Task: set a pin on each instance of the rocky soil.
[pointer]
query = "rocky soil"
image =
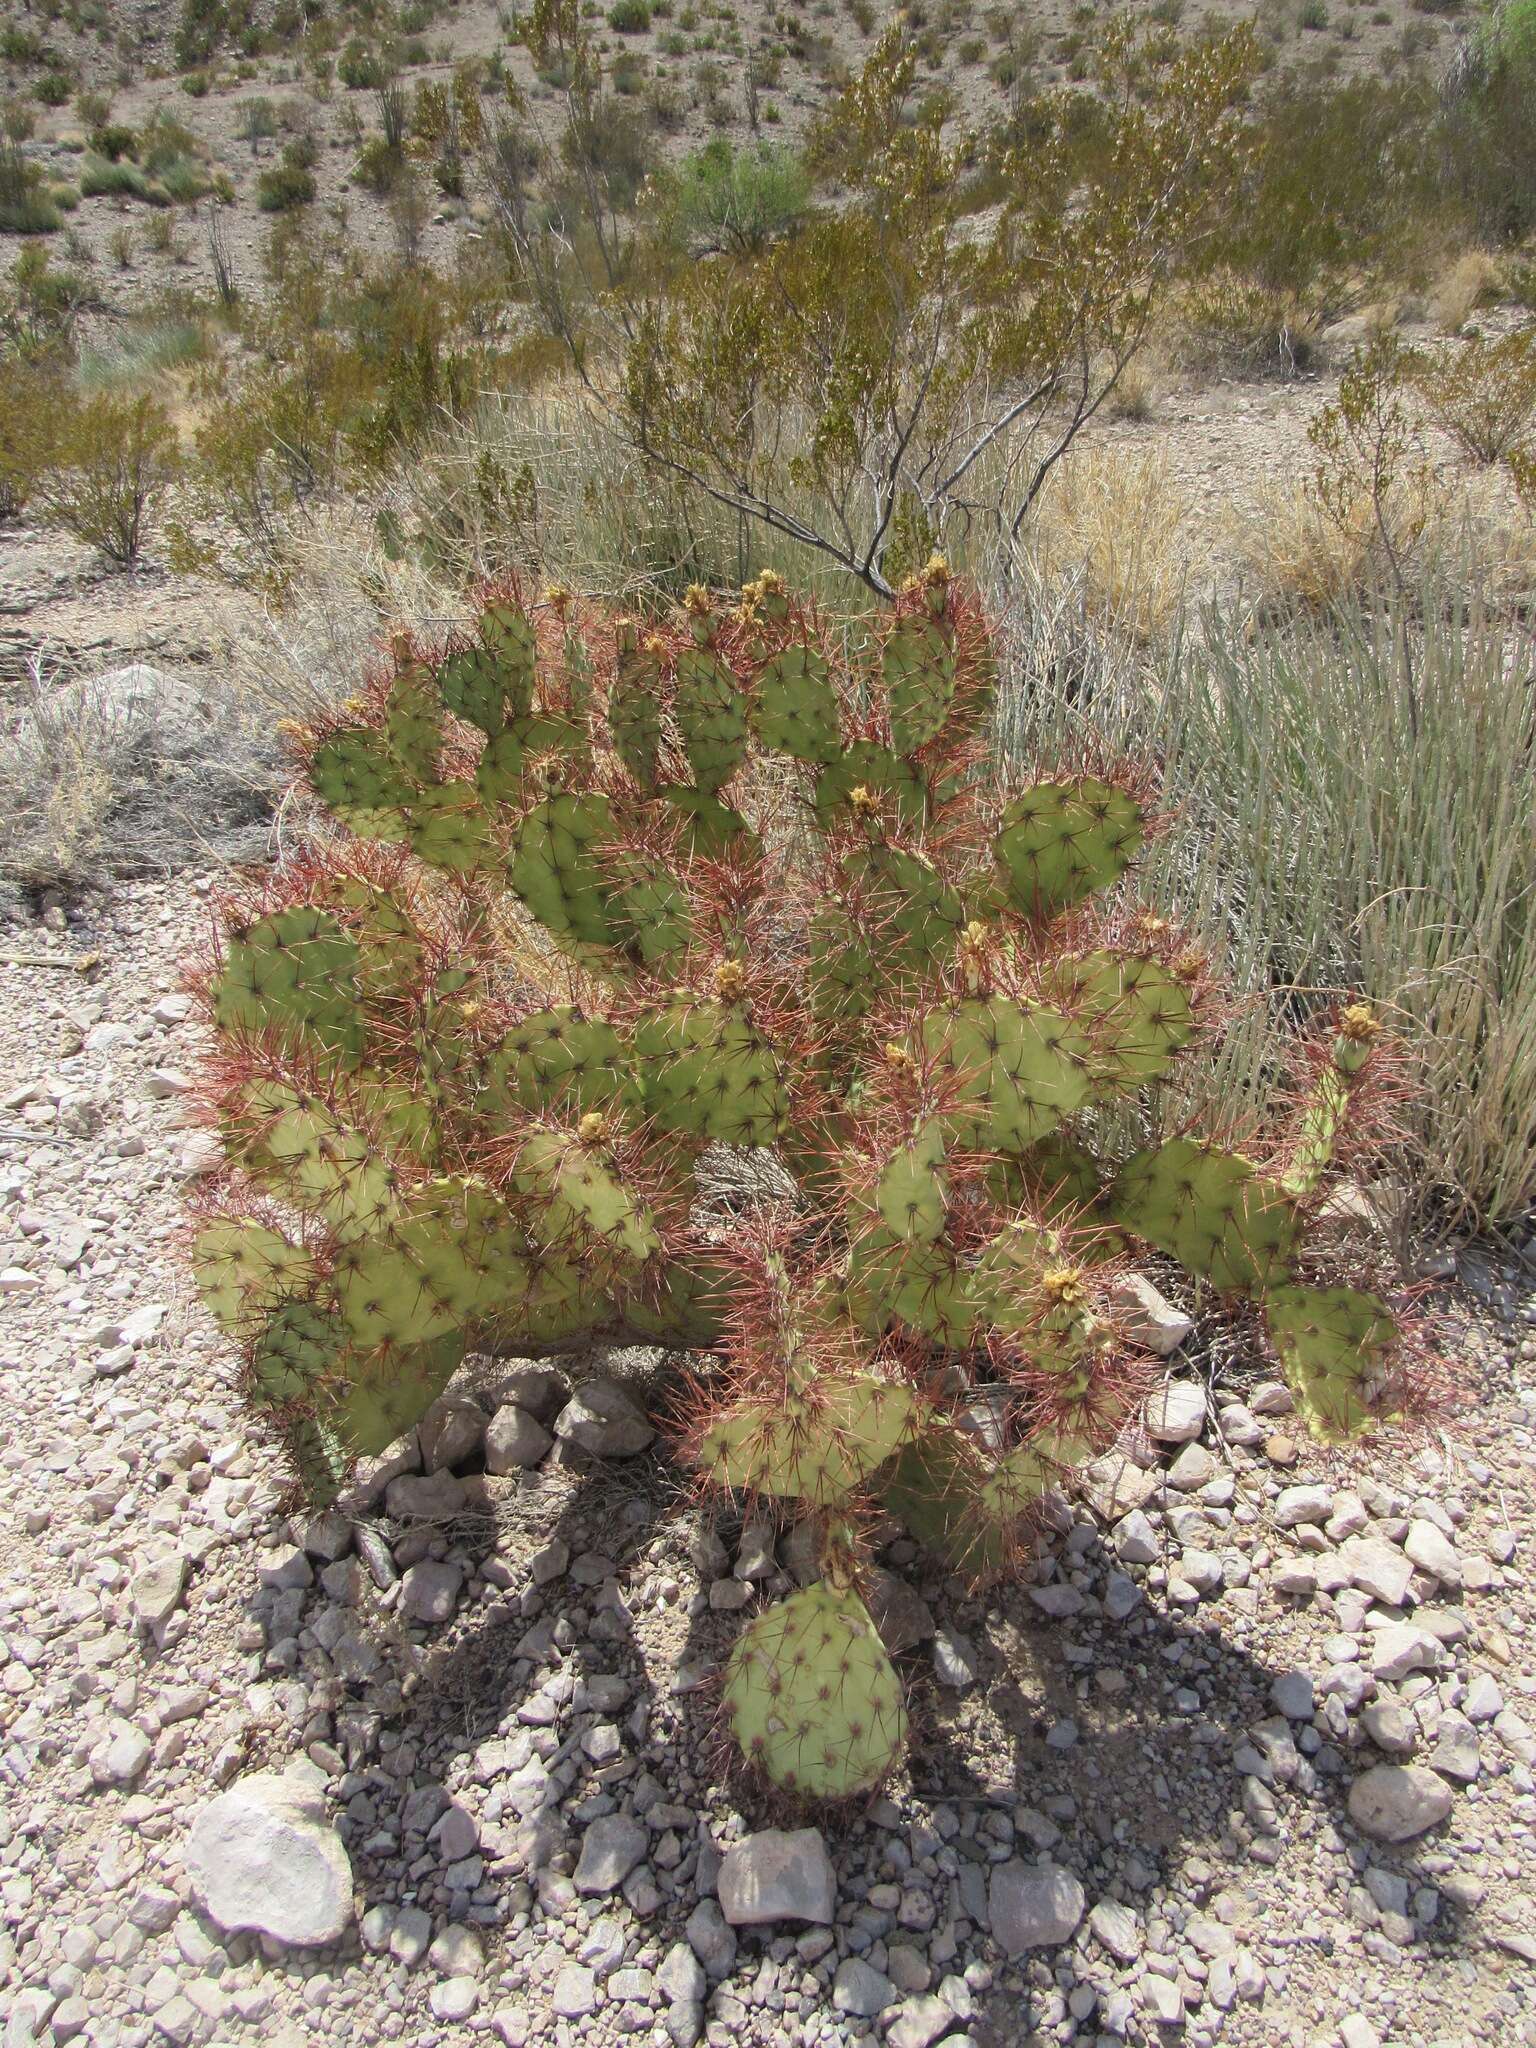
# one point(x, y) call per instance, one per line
point(1246, 1758)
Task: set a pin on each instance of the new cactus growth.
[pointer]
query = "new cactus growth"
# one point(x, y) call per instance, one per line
point(612, 899)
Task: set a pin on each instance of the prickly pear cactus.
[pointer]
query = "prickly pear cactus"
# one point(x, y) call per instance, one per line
point(602, 903)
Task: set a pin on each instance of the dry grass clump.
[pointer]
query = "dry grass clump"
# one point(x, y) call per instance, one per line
point(1233, 326)
point(1296, 550)
point(1115, 520)
point(1468, 281)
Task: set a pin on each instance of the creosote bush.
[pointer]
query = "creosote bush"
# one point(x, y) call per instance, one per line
point(111, 463)
point(699, 984)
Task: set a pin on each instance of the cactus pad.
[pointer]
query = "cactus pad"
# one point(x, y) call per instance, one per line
point(918, 664)
point(1332, 1343)
point(1060, 841)
point(709, 710)
point(555, 867)
point(794, 710)
point(818, 1444)
point(812, 1698)
point(708, 1072)
point(1211, 1210)
point(293, 973)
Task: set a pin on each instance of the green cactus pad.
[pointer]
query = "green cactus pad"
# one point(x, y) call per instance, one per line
point(572, 1191)
point(708, 1072)
point(448, 828)
point(937, 1489)
point(844, 974)
point(818, 1444)
point(912, 1193)
point(897, 786)
point(413, 724)
point(451, 1256)
point(1019, 1069)
point(686, 1305)
point(813, 1700)
point(1211, 1210)
point(711, 715)
point(652, 915)
point(1332, 1343)
point(244, 1269)
point(503, 772)
point(294, 973)
point(710, 828)
point(918, 664)
point(354, 771)
point(1138, 1015)
point(793, 708)
point(557, 1056)
point(377, 1396)
point(472, 685)
point(507, 632)
point(556, 867)
point(911, 915)
point(634, 715)
point(922, 1286)
point(315, 1158)
point(300, 1344)
point(1060, 841)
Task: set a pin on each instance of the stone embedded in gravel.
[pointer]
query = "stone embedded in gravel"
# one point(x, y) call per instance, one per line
point(1484, 1700)
point(429, 1592)
point(1432, 1551)
point(777, 1874)
point(1033, 1908)
point(1176, 1412)
point(1391, 1727)
point(1145, 1316)
point(454, 1999)
point(711, 1940)
point(860, 1990)
point(1297, 1504)
point(1401, 1648)
point(1376, 1567)
point(899, 1612)
point(1135, 1539)
point(157, 1589)
point(604, 1419)
point(1163, 1999)
point(1061, 1602)
point(263, 1856)
point(411, 1935)
point(954, 1659)
point(1292, 1694)
point(1294, 1576)
point(458, 1952)
point(1395, 1802)
point(681, 1976)
point(1455, 1754)
point(433, 1497)
point(610, 1849)
point(514, 1440)
point(1193, 1468)
point(575, 1992)
point(1115, 1484)
point(1122, 1596)
point(1117, 1929)
point(450, 1432)
point(920, 2022)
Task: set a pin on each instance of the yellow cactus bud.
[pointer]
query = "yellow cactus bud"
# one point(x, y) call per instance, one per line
point(897, 1058)
point(1062, 1285)
point(1189, 967)
point(770, 582)
point(593, 1128)
point(696, 600)
point(295, 729)
point(557, 595)
point(654, 645)
point(1359, 1023)
point(936, 571)
point(730, 981)
point(863, 801)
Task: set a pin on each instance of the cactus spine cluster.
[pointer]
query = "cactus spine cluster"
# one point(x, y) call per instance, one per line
point(602, 902)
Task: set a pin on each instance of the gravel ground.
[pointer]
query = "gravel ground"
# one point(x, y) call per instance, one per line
point(1247, 1759)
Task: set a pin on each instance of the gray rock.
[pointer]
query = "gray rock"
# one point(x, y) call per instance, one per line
point(434, 1497)
point(777, 1874)
point(514, 1440)
point(429, 1592)
point(538, 1388)
point(1455, 1754)
point(454, 1999)
point(1433, 1552)
point(450, 1432)
point(920, 2022)
point(263, 1856)
point(1117, 1929)
point(1376, 1567)
point(458, 1952)
point(1037, 1908)
point(861, 1990)
point(954, 1659)
point(1146, 1316)
point(610, 1849)
point(1399, 1649)
point(1193, 1468)
point(1298, 1504)
point(156, 1590)
point(1396, 1802)
point(1122, 1596)
point(1176, 1412)
point(1115, 1484)
point(575, 1992)
point(1136, 1540)
point(1292, 1694)
point(681, 1975)
point(711, 1940)
point(603, 1419)
point(899, 1611)
point(1391, 1727)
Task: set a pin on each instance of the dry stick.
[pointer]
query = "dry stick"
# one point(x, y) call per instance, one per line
point(86, 963)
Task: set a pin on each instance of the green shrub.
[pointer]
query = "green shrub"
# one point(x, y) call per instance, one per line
point(742, 199)
point(114, 459)
point(630, 17)
point(53, 89)
point(26, 206)
point(1482, 392)
point(927, 1004)
point(114, 141)
point(33, 399)
point(101, 177)
point(285, 186)
point(360, 68)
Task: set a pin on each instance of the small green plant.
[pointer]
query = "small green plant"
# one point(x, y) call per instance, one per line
point(53, 89)
point(740, 199)
point(1481, 391)
point(289, 182)
point(113, 461)
point(630, 17)
point(26, 205)
point(928, 1004)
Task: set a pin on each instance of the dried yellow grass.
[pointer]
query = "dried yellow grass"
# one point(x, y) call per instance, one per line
point(1115, 521)
point(1461, 287)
